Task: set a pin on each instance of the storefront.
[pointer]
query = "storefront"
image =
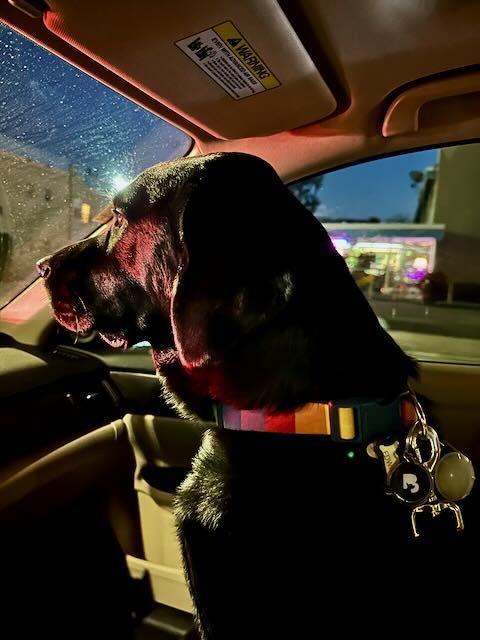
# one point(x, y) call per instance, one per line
point(387, 259)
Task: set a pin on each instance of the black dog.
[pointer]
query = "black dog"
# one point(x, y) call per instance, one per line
point(282, 535)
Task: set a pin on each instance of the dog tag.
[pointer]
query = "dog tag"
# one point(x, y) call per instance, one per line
point(411, 483)
point(454, 476)
point(387, 453)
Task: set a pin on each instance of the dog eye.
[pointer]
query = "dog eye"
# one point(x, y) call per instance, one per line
point(118, 217)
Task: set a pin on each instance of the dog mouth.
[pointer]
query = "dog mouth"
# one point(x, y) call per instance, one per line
point(114, 340)
point(78, 320)
point(73, 315)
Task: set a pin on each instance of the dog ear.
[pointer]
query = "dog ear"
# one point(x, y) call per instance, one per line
point(208, 316)
point(235, 274)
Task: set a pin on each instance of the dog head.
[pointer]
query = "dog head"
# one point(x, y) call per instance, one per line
point(234, 283)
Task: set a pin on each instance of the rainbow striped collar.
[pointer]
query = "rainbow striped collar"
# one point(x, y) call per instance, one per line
point(352, 421)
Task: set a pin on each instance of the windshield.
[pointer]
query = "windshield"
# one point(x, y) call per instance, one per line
point(67, 143)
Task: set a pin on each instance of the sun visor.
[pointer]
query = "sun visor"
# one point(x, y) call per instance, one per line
point(236, 69)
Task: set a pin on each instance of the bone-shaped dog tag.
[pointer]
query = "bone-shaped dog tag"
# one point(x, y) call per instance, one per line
point(387, 453)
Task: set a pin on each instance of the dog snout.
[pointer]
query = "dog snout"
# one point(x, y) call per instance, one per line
point(43, 267)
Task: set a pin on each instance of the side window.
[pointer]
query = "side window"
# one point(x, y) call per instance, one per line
point(409, 229)
point(67, 143)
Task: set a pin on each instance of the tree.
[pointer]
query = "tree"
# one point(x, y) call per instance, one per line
point(416, 177)
point(308, 192)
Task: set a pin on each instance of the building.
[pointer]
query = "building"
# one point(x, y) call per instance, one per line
point(450, 195)
point(387, 258)
point(41, 209)
point(440, 249)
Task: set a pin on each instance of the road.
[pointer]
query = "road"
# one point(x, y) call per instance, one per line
point(440, 320)
point(435, 333)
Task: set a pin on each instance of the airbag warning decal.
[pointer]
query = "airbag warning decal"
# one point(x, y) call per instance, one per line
point(224, 54)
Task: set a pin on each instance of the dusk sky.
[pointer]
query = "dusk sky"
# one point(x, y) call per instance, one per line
point(378, 189)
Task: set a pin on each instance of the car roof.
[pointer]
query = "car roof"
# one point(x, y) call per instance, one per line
point(347, 80)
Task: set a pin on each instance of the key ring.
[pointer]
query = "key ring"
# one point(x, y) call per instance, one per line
point(419, 411)
point(412, 451)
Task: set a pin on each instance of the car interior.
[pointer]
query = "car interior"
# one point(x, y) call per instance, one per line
point(347, 100)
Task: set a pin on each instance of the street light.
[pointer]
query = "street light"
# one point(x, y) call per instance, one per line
point(119, 182)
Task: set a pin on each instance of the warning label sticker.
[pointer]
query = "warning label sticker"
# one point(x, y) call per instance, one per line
point(224, 54)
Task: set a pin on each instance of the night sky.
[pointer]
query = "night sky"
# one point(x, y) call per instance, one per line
point(55, 114)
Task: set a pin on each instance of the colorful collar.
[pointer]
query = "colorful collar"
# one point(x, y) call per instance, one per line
point(349, 421)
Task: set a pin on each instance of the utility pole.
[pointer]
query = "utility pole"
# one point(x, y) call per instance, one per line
point(70, 201)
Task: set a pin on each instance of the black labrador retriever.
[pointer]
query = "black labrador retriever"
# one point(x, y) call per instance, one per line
point(283, 534)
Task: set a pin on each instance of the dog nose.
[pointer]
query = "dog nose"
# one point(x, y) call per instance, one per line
point(43, 267)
